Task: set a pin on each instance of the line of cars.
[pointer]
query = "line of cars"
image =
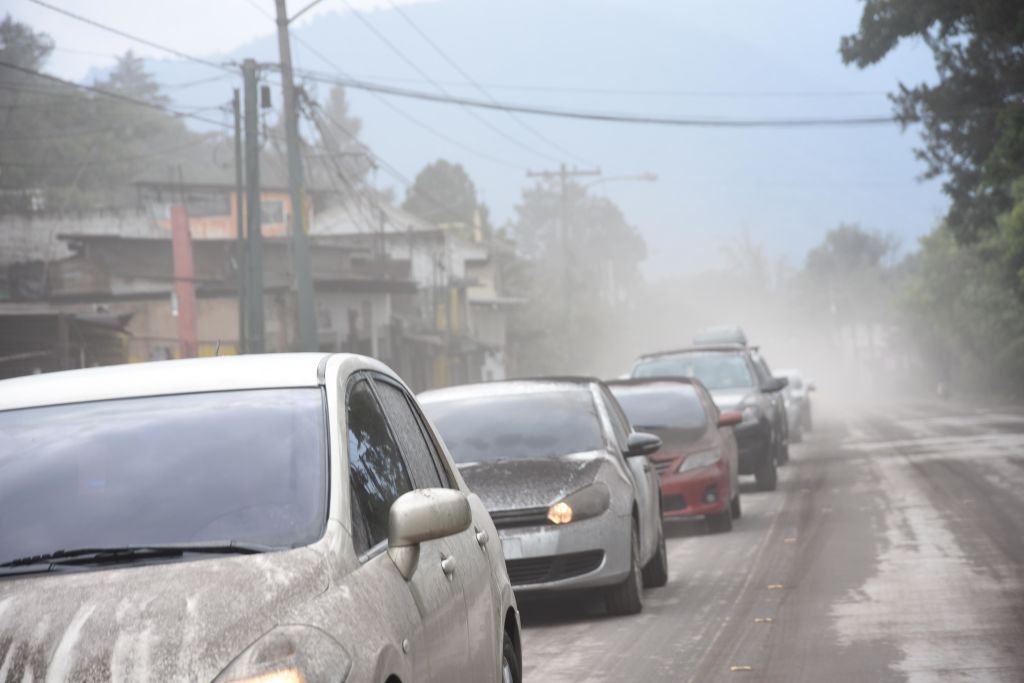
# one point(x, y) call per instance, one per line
point(348, 530)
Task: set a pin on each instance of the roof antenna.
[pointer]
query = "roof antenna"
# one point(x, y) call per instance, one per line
point(216, 351)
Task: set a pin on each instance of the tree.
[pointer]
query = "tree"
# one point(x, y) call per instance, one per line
point(21, 45)
point(580, 263)
point(444, 194)
point(339, 138)
point(974, 117)
point(130, 78)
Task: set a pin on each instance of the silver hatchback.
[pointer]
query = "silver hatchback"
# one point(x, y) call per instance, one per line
point(261, 518)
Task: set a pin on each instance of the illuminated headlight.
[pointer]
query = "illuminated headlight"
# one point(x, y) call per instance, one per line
point(698, 460)
point(289, 654)
point(589, 501)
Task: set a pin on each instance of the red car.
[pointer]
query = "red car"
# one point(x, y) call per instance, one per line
point(697, 463)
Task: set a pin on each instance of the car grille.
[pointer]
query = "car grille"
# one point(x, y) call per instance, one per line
point(553, 567)
point(510, 519)
point(673, 503)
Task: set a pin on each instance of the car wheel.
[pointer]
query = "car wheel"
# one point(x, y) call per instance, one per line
point(734, 507)
point(627, 597)
point(766, 475)
point(796, 435)
point(782, 453)
point(720, 522)
point(511, 666)
point(656, 571)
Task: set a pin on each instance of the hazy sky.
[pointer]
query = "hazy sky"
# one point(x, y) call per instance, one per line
point(739, 59)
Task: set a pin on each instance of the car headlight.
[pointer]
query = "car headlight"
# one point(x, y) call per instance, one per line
point(698, 460)
point(289, 654)
point(589, 501)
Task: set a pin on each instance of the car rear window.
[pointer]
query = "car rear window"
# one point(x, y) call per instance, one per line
point(715, 370)
point(663, 406)
point(517, 426)
point(247, 466)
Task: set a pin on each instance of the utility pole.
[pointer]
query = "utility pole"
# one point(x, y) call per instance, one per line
point(564, 173)
point(255, 342)
point(300, 246)
point(240, 246)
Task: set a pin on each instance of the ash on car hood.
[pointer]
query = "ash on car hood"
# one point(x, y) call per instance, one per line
point(175, 621)
point(530, 483)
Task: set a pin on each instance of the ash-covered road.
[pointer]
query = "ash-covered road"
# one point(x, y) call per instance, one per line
point(892, 551)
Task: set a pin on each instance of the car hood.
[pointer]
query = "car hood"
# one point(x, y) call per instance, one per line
point(730, 399)
point(533, 482)
point(173, 621)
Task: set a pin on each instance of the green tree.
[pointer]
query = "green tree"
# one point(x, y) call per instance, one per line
point(129, 77)
point(974, 116)
point(339, 138)
point(444, 194)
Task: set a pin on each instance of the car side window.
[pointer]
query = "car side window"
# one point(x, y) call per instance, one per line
point(620, 423)
point(426, 470)
point(377, 473)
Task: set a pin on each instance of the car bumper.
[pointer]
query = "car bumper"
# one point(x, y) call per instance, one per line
point(753, 444)
point(590, 553)
point(703, 491)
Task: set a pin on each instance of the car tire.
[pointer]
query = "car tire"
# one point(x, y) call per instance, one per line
point(782, 454)
point(511, 663)
point(720, 522)
point(735, 509)
point(797, 435)
point(627, 597)
point(656, 571)
point(767, 476)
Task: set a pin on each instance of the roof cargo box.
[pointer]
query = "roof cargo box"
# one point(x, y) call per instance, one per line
point(722, 334)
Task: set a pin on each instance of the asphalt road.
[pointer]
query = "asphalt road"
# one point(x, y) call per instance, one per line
point(893, 550)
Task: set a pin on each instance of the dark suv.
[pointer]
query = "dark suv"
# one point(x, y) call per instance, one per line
point(738, 379)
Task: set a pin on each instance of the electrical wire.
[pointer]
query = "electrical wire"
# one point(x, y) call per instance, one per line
point(483, 91)
point(114, 95)
point(407, 116)
point(415, 67)
point(607, 117)
point(129, 36)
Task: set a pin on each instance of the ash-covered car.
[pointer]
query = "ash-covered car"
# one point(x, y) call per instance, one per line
point(567, 482)
point(739, 379)
point(798, 403)
point(260, 518)
point(697, 463)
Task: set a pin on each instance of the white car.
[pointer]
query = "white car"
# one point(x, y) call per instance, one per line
point(259, 518)
point(797, 395)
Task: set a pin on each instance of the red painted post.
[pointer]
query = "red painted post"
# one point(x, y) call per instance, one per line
point(184, 285)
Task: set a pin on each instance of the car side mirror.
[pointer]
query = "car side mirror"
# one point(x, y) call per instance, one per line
point(423, 515)
point(642, 443)
point(729, 418)
point(775, 384)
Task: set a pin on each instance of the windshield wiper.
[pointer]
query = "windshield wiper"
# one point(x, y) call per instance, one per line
point(131, 553)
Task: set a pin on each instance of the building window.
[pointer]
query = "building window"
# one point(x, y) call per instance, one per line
point(202, 204)
point(272, 212)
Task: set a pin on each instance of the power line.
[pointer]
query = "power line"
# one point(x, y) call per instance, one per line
point(129, 36)
point(407, 116)
point(114, 95)
point(415, 67)
point(608, 117)
point(455, 65)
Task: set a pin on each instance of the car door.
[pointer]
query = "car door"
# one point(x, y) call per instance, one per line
point(471, 565)
point(780, 423)
point(726, 438)
point(645, 478)
point(378, 475)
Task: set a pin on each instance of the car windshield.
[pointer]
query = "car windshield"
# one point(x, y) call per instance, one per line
point(715, 370)
point(517, 426)
point(661, 407)
point(246, 466)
